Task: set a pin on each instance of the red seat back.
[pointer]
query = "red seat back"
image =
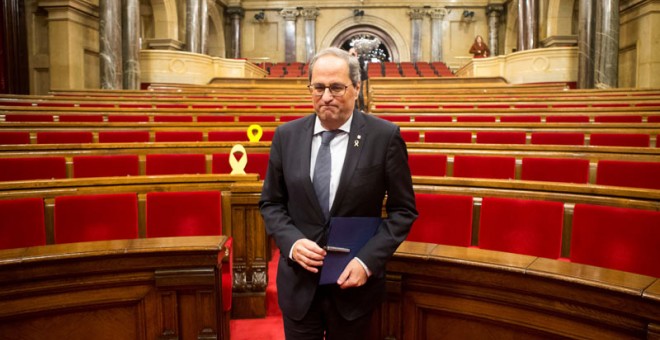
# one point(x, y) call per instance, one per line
point(620, 139)
point(628, 174)
point(95, 217)
point(256, 118)
point(475, 119)
point(567, 119)
point(175, 164)
point(617, 238)
point(448, 137)
point(81, 118)
point(484, 167)
point(501, 137)
point(557, 138)
point(618, 119)
point(566, 170)
point(18, 137)
point(127, 119)
point(22, 223)
point(526, 227)
point(105, 166)
point(179, 136)
point(228, 136)
point(65, 137)
point(257, 164)
point(433, 119)
point(173, 119)
point(30, 168)
point(215, 118)
point(520, 119)
point(410, 136)
point(123, 136)
point(28, 118)
point(443, 219)
point(195, 213)
point(427, 164)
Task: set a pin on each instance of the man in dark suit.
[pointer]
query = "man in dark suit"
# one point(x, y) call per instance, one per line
point(368, 160)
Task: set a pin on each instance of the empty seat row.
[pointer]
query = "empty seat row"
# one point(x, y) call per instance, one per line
point(172, 118)
point(611, 237)
point(628, 118)
point(128, 136)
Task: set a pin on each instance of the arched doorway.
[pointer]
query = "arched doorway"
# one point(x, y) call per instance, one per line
point(386, 51)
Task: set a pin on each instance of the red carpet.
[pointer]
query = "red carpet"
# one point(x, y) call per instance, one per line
point(270, 327)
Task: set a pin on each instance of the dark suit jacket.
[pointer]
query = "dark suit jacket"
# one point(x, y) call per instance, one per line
point(377, 165)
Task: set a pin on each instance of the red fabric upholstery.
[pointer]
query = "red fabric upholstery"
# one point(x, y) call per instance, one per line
point(617, 238)
point(618, 119)
point(179, 136)
point(443, 219)
point(484, 167)
point(395, 118)
point(228, 136)
point(257, 164)
point(567, 119)
point(566, 170)
point(175, 164)
point(28, 118)
point(520, 119)
point(123, 136)
point(557, 138)
point(448, 137)
point(427, 164)
point(105, 166)
point(620, 139)
point(127, 119)
point(475, 119)
point(173, 119)
point(254, 118)
point(433, 119)
point(288, 118)
point(95, 217)
point(67, 137)
point(29, 168)
point(18, 137)
point(81, 118)
point(410, 136)
point(22, 223)
point(183, 214)
point(653, 119)
point(215, 118)
point(501, 137)
point(526, 227)
point(628, 174)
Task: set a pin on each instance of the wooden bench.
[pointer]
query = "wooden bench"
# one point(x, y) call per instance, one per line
point(123, 289)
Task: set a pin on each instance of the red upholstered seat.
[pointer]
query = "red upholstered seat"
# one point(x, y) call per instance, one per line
point(520, 119)
point(620, 139)
point(179, 136)
point(95, 217)
point(448, 137)
point(22, 223)
point(433, 119)
point(501, 137)
point(410, 136)
point(228, 136)
point(567, 119)
point(557, 138)
point(484, 167)
point(617, 238)
point(255, 118)
point(215, 118)
point(628, 174)
point(127, 119)
point(566, 170)
point(653, 119)
point(29, 168)
point(173, 119)
point(105, 166)
point(288, 118)
point(526, 227)
point(443, 219)
point(475, 119)
point(28, 118)
point(81, 118)
point(395, 118)
point(18, 137)
point(175, 164)
point(123, 136)
point(618, 119)
point(257, 164)
point(427, 164)
point(196, 213)
point(64, 137)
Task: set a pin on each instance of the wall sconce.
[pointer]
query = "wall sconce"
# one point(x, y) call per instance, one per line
point(260, 17)
point(358, 13)
point(468, 15)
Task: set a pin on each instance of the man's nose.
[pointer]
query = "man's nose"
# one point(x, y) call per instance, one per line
point(327, 95)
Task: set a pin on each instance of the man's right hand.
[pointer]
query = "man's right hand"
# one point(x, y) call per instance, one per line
point(308, 254)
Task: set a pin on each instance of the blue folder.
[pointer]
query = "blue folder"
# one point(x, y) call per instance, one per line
point(349, 234)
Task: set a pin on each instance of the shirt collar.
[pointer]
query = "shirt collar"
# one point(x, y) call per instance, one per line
point(346, 127)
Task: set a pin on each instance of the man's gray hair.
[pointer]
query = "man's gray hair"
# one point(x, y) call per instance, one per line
point(353, 64)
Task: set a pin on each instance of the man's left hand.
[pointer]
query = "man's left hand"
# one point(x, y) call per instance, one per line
point(353, 275)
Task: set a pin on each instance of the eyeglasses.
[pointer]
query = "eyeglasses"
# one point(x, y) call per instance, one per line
point(336, 90)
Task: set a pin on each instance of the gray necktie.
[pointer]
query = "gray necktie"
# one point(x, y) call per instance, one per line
point(322, 170)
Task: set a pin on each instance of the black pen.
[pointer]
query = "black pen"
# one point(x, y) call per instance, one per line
point(337, 249)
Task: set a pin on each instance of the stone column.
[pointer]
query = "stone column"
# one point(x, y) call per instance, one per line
point(607, 44)
point(110, 53)
point(192, 26)
point(437, 15)
point(494, 12)
point(289, 15)
point(416, 16)
point(131, 44)
point(528, 28)
point(310, 15)
point(236, 14)
point(203, 26)
point(586, 34)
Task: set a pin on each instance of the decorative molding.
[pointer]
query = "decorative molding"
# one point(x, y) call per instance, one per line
point(235, 12)
point(310, 13)
point(437, 13)
point(417, 13)
point(289, 14)
point(494, 10)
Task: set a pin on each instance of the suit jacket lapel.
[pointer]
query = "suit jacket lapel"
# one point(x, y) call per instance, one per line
point(356, 139)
